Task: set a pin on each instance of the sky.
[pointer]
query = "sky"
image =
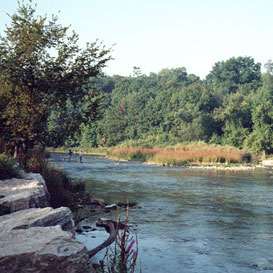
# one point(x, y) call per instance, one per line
point(158, 34)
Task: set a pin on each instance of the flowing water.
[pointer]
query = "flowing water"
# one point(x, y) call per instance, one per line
point(187, 220)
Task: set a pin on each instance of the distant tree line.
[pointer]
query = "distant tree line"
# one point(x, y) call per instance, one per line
point(233, 105)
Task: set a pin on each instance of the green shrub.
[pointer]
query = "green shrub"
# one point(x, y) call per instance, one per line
point(34, 160)
point(246, 157)
point(8, 167)
point(59, 185)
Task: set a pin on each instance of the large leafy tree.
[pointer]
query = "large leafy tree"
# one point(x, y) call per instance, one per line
point(262, 115)
point(41, 68)
point(235, 114)
point(229, 76)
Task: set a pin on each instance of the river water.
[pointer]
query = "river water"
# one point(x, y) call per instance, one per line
point(186, 220)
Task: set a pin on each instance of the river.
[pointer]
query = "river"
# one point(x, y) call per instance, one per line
point(186, 220)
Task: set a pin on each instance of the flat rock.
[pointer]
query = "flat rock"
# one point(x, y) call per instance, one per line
point(42, 249)
point(27, 192)
point(98, 201)
point(111, 207)
point(42, 217)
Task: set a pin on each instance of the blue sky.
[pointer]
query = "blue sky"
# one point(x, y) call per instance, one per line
point(157, 34)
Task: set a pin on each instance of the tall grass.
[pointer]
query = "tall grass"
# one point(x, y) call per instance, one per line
point(8, 167)
point(122, 257)
point(62, 189)
point(137, 154)
point(183, 154)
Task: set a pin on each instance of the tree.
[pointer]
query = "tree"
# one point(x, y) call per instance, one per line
point(262, 115)
point(235, 115)
point(41, 67)
point(193, 107)
point(136, 71)
point(269, 67)
point(227, 76)
point(261, 137)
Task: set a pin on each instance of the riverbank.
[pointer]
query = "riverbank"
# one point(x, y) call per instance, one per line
point(220, 167)
point(86, 151)
point(192, 155)
point(30, 225)
point(35, 237)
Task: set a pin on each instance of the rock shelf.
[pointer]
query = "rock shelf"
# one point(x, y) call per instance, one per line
point(35, 237)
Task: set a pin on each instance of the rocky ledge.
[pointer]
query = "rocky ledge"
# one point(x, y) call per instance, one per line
point(35, 237)
point(28, 192)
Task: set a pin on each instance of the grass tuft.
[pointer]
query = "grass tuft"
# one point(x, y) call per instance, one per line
point(61, 188)
point(8, 167)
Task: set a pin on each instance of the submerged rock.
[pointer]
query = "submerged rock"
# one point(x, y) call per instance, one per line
point(86, 227)
point(99, 202)
point(111, 207)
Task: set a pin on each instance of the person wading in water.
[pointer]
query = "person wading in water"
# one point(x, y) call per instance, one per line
point(81, 156)
point(69, 155)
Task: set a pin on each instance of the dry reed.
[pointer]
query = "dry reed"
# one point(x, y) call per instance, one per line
point(181, 155)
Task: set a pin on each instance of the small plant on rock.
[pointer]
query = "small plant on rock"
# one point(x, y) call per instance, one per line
point(123, 256)
point(8, 167)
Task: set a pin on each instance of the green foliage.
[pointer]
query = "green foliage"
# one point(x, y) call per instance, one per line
point(44, 73)
point(227, 76)
point(261, 137)
point(234, 134)
point(8, 167)
point(59, 185)
point(172, 107)
point(231, 107)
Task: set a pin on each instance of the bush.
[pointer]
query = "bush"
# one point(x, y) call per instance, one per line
point(246, 157)
point(34, 160)
point(59, 185)
point(8, 167)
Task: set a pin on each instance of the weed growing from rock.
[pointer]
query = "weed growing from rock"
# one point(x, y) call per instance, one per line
point(123, 256)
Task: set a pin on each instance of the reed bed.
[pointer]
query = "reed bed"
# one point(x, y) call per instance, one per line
point(179, 155)
point(132, 153)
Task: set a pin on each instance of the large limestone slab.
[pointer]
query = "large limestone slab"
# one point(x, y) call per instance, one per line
point(28, 192)
point(42, 217)
point(42, 249)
